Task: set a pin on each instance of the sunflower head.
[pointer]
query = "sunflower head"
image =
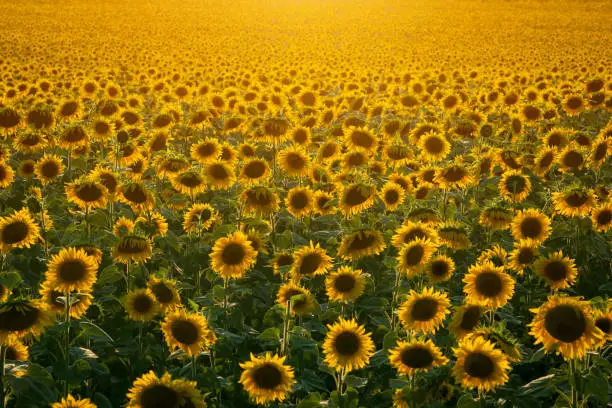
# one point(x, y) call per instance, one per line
point(233, 255)
point(424, 311)
point(488, 285)
point(414, 356)
point(480, 365)
point(558, 271)
point(358, 244)
point(71, 402)
point(18, 230)
point(466, 319)
point(415, 255)
point(188, 331)
point(345, 284)
point(141, 305)
point(22, 317)
point(347, 346)
point(267, 378)
point(132, 249)
point(72, 270)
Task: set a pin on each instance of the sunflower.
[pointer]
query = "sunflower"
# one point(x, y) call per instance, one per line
point(572, 157)
point(425, 311)
point(302, 301)
point(187, 331)
point(267, 378)
point(282, 260)
point(411, 231)
point(414, 255)
point(232, 255)
point(454, 236)
point(123, 226)
point(328, 151)
point(300, 201)
point(4, 292)
point(357, 197)
point(600, 150)
point(165, 292)
point(558, 271)
point(531, 224)
point(16, 350)
point(262, 201)
point(141, 305)
point(154, 224)
point(525, 252)
point(565, 325)
point(18, 231)
point(347, 346)
point(488, 285)
point(392, 195)
point(574, 202)
point(188, 393)
point(402, 398)
point(514, 186)
point(454, 176)
point(360, 138)
point(50, 296)
point(132, 249)
point(356, 245)
point(543, 161)
point(434, 146)
point(294, 161)
point(190, 182)
point(136, 195)
point(220, 175)
point(71, 402)
point(23, 317)
point(87, 194)
point(150, 391)
point(323, 203)
point(49, 168)
point(480, 365)
point(7, 175)
point(440, 268)
point(71, 270)
point(501, 339)
point(573, 104)
point(254, 170)
point(73, 136)
point(300, 135)
point(411, 357)
point(107, 178)
point(496, 218)
point(602, 217)
point(199, 217)
point(497, 255)
point(345, 284)
point(310, 260)
point(30, 142)
point(603, 321)
point(465, 319)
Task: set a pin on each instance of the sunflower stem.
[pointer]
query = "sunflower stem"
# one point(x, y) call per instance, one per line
point(398, 278)
point(225, 301)
point(286, 324)
point(67, 343)
point(127, 277)
point(87, 224)
point(482, 398)
point(571, 364)
point(2, 385)
point(194, 359)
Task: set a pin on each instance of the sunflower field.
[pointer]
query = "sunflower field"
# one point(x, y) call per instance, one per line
point(305, 203)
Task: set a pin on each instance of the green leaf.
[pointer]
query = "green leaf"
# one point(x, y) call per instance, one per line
point(596, 384)
point(80, 352)
point(313, 400)
point(355, 382)
point(467, 401)
point(95, 332)
point(10, 279)
point(390, 340)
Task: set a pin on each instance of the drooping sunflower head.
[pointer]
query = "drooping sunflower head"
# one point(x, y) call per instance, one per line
point(531, 224)
point(411, 231)
point(565, 325)
point(454, 176)
point(347, 346)
point(425, 311)
point(501, 338)
point(71, 270)
point(323, 203)
point(357, 197)
point(132, 249)
point(361, 243)
point(454, 235)
point(260, 200)
point(310, 260)
point(136, 195)
point(480, 365)
point(18, 230)
point(466, 319)
point(141, 305)
point(267, 378)
point(165, 292)
point(488, 285)
point(189, 182)
point(558, 271)
point(71, 402)
point(415, 255)
point(23, 317)
point(302, 301)
point(411, 357)
point(496, 217)
point(188, 331)
point(572, 157)
point(233, 255)
point(345, 284)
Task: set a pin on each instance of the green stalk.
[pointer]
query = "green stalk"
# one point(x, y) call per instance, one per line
point(2, 385)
